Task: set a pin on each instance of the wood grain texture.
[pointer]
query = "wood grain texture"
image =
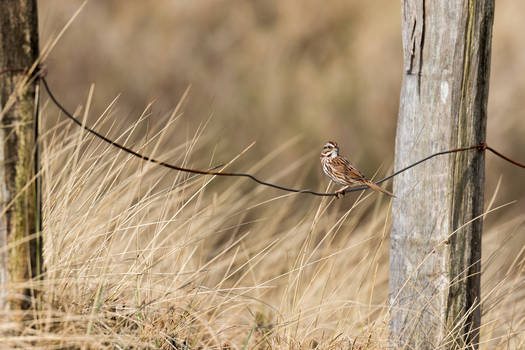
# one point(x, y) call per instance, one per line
point(19, 49)
point(435, 251)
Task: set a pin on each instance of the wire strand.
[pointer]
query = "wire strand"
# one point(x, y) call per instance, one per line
point(482, 147)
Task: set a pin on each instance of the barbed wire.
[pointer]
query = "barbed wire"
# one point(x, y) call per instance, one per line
point(481, 147)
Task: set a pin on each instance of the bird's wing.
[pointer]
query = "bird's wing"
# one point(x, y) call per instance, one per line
point(343, 166)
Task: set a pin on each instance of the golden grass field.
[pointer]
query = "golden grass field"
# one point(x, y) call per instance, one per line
point(139, 257)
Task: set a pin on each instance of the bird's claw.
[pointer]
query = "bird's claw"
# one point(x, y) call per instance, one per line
point(340, 194)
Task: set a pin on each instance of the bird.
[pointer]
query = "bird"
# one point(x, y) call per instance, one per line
point(342, 172)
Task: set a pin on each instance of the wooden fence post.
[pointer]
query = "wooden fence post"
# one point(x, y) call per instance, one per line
point(18, 220)
point(435, 246)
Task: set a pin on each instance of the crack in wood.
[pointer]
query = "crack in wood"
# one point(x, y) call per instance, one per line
point(421, 46)
point(413, 48)
point(414, 43)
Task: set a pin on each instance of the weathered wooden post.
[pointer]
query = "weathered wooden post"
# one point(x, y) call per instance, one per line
point(18, 219)
point(436, 240)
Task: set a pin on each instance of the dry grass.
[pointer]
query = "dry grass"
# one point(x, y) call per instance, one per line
point(153, 257)
point(139, 257)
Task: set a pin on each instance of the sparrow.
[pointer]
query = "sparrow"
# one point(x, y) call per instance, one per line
point(342, 172)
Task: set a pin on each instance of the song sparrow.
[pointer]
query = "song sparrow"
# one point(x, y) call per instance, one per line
point(340, 171)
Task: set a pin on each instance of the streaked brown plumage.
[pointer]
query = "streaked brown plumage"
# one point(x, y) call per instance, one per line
point(340, 171)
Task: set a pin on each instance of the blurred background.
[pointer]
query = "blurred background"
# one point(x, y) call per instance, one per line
point(271, 71)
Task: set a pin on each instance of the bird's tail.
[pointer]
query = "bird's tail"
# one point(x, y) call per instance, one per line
point(377, 188)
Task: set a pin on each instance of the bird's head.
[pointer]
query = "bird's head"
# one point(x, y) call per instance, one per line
point(330, 149)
